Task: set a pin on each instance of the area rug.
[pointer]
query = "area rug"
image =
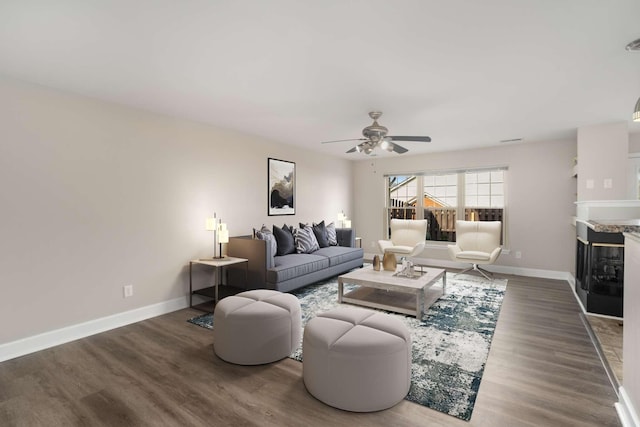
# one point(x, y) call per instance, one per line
point(450, 344)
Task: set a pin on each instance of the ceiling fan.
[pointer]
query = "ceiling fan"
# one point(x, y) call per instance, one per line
point(376, 136)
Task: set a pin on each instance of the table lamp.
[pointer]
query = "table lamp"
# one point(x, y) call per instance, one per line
point(211, 224)
point(223, 236)
point(341, 218)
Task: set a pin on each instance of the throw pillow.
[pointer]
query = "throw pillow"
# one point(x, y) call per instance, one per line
point(321, 234)
point(285, 241)
point(290, 229)
point(305, 240)
point(332, 239)
point(265, 234)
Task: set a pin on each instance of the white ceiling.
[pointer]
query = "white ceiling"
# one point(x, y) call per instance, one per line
point(466, 73)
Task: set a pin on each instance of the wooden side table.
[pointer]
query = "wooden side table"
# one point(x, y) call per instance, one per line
point(218, 265)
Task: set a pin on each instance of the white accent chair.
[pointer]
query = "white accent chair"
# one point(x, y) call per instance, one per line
point(477, 242)
point(407, 237)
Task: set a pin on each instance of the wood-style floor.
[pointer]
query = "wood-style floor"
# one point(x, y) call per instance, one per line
point(542, 371)
point(608, 333)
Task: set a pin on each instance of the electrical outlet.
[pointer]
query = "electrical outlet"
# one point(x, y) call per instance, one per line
point(127, 291)
point(518, 254)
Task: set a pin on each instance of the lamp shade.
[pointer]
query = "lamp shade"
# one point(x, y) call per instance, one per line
point(636, 112)
point(210, 224)
point(223, 233)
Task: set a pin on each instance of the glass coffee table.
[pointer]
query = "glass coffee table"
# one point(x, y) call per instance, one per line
point(390, 290)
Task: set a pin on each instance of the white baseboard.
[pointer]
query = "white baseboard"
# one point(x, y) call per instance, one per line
point(626, 412)
point(49, 339)
point(504, 269)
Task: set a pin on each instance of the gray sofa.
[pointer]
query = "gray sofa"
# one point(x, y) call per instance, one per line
point(285, 273)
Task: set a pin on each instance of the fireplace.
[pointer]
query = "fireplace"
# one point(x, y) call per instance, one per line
point(600, 270)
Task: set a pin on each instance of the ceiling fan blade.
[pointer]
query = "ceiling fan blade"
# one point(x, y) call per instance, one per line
point(410, 138)
point(344, 140)
point(353, 150)
point(399, 149)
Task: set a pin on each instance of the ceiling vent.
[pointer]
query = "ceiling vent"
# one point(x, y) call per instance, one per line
point(509, 141)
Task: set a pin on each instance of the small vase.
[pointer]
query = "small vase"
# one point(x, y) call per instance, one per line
point(389, 261)
point(376, 263)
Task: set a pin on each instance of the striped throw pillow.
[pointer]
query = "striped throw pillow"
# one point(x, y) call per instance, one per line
point(332, 239)
point(306, 241)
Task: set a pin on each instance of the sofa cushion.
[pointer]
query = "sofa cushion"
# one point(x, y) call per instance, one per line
point(398, 249)
point(294, 265)
point(285, 241)
point(339, 254)
point(474, 255)
point(306, 241)
point(320, 232)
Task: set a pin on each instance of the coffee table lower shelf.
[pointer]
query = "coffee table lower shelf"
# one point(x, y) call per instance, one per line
point(397, 302)
point(387, 290)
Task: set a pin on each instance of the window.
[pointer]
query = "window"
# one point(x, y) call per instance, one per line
point(473, 195)
point(484, 189)
point(402, 197)
point(440, 203)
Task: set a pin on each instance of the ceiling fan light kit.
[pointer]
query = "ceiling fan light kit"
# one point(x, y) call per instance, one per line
point(375, 136)
point(633, 46)
point(386, 145)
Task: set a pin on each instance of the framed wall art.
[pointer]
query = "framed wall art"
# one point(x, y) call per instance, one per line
point(282, 187)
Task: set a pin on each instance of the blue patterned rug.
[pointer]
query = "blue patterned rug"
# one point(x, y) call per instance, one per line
point(450, 344)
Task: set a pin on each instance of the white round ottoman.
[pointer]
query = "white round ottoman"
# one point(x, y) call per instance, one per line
point(356, 359)
point(256, 327)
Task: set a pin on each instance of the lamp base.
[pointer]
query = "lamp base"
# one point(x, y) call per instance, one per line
point(220, 256)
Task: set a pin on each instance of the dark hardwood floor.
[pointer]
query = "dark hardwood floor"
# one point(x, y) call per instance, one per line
point(542, 371)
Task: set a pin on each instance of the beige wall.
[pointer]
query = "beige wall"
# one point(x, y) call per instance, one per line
point(634, 142)
point(96, 196)
point(540, 195)
point(602, 155)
